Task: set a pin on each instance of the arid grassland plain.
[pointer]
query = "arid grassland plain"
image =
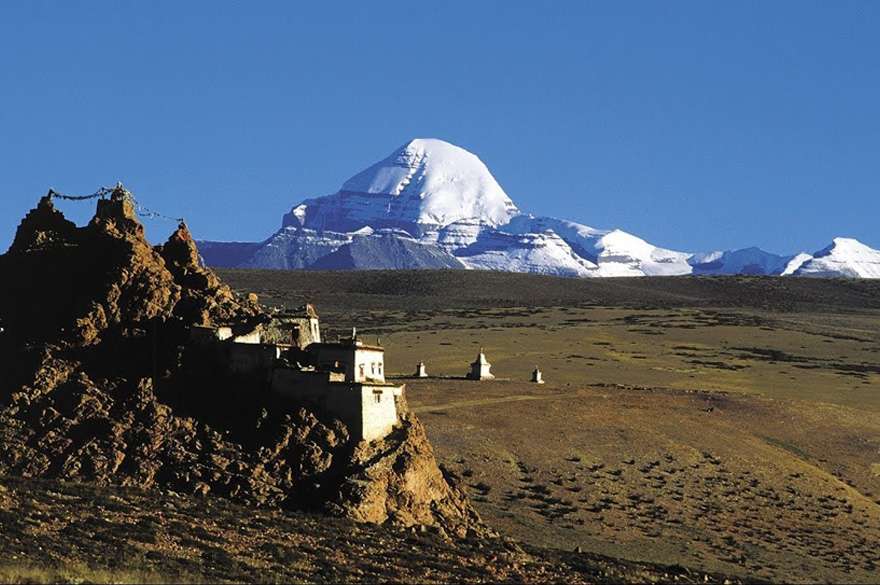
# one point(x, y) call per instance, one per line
point(731, 424)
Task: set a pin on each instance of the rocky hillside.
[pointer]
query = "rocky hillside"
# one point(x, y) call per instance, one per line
point(96, 386)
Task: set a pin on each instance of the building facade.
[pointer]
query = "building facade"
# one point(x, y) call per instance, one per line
point(345, 379)
point(360, 362)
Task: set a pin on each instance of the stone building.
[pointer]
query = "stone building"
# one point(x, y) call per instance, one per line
point(345, 379)
point(369, 410)
point(299, 328)
point(359, 361)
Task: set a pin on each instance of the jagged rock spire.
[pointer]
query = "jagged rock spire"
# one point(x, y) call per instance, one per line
point(43, 226)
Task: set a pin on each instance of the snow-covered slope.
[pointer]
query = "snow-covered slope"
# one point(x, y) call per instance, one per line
point(425, 182)
point(456, 235)
point(543, 253)
point(745, 261)
point(845, 257)
point(796, 262)
point(614, 252)
point(432, 204)
point(622, 254)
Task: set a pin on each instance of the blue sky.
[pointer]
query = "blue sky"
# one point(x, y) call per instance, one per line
point(696, 125)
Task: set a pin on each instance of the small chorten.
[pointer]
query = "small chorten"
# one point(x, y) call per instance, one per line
point(537, 376)
point(480, 368)
point(421, 372)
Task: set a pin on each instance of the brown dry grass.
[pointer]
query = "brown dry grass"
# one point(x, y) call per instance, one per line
point(65, 532)
point(27, 574)
point(725, 423)
point(739, 484)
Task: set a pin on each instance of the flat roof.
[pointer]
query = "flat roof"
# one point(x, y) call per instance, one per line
point(347, 345)
point(367, 384)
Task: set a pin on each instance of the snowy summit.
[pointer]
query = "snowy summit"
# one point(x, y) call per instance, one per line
point(435, 182)
point(425, 181)
point(844, 257)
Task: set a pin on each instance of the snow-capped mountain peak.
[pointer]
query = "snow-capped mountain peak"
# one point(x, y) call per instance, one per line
point(425, 182)
point(844, 257)
point(431, 204)
point(745, 261)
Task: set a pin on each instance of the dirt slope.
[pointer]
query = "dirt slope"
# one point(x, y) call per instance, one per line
point(79, 532)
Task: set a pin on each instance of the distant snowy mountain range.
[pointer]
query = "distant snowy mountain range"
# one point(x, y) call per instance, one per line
point(431, 204)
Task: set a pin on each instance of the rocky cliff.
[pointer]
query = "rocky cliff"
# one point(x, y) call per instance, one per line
point(96, 385)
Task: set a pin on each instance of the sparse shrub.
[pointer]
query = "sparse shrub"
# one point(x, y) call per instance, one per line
point(483, 487)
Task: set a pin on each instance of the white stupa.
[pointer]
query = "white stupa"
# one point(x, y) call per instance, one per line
point(480, 368)
point(537, 376)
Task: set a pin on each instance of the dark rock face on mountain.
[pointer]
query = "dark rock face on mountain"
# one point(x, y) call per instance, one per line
point(97, 384)
point(227, 254)
point(388, 252)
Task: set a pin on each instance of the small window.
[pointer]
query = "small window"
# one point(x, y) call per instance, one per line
point(378, 397)
point(361, 369)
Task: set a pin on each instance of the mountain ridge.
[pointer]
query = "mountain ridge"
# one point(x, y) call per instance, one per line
point(448, 211)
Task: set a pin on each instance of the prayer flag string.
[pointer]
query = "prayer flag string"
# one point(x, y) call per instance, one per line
point(142, 210)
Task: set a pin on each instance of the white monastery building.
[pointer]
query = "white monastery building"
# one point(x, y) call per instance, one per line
point(345, 379)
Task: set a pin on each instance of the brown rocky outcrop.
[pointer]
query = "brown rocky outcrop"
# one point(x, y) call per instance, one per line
point(97, 385)
point(66, 285)
point(398, 480)
point(42, 227)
